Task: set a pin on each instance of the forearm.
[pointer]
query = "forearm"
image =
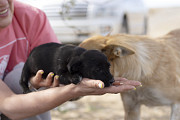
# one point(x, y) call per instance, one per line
point(26, 105)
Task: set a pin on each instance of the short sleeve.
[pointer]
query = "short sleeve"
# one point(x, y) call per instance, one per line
point(40, 31)
point(34, 24)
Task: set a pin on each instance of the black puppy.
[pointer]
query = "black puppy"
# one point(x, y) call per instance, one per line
point(70, 62)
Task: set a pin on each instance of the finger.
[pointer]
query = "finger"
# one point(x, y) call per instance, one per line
point(92, 83)
point(48, 81)
point(120, 81)
point(128, 82)
point(132, 82)
point(119, 89)
point(61, 85)
point(117, 83)
point(55, 82)
point(37, 79)
point(127, 87)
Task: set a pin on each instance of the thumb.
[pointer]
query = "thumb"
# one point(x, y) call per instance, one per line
point(92, 83)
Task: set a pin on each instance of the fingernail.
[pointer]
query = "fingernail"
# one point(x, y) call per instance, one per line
point(121, 83)
point(52, 74)
point(100, 85)
point(57, 77)
point(42, 72)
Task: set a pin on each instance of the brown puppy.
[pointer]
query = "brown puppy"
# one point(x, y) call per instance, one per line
point(153, 62)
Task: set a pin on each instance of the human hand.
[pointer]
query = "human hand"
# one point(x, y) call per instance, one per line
point(37, 81)
point(96, 87)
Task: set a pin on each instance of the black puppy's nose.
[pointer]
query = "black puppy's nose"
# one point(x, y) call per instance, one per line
point(111, 81)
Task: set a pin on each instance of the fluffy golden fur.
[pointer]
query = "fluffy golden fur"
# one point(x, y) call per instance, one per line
point(155, 62)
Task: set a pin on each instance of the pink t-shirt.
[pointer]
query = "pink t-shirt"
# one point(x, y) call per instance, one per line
point(28, 29)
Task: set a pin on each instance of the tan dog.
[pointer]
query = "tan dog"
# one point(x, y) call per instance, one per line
point(153, 62)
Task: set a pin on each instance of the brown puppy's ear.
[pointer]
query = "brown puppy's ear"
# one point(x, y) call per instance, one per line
point(114, 51)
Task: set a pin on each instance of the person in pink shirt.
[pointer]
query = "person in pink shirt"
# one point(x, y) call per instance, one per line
point(23, 27)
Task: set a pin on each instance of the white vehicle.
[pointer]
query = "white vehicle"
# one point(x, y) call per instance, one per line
point(75, 20)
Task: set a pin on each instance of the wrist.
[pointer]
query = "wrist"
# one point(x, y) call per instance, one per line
point(31, 87)
point(74, 91)
point(34, 88)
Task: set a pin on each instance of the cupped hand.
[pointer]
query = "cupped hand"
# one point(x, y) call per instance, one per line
point(96, 87)
point(37, 81)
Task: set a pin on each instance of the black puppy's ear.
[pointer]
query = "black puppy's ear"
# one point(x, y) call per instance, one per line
point(74, 65)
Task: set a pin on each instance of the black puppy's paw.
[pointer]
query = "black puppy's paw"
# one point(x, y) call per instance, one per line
point(76, 79)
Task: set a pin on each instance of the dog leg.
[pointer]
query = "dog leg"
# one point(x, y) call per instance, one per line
point(24, 79)
point(131, 107)
point(175, 109)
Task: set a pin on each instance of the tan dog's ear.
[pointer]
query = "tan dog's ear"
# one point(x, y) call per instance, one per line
point(114, 51)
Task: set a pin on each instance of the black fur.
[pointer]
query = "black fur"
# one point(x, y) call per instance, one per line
point(70, 62)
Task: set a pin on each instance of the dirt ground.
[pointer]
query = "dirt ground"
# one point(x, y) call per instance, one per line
point(109, 106)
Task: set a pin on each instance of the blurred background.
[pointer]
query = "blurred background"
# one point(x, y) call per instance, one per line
point(75, 20)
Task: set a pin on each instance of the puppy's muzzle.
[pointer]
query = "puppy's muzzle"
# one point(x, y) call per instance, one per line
point(111, 81)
